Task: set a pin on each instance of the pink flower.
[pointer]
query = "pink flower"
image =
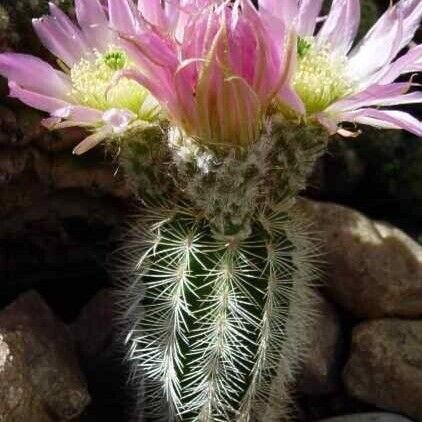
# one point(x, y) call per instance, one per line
point(81, 94)
point(214, 66)
point(339, 84)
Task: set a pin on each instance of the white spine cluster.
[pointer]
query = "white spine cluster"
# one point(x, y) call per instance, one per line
point(292, 271)
point(159, 309)
point(223, 337)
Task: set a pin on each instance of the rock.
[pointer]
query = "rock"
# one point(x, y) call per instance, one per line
point(108, 375)
point(321, 369)
point(40, 380)
point(64, 171)
point(385, 365)
point(315, 408)
point(368, 417)
point(373, 269)
point(92, 331)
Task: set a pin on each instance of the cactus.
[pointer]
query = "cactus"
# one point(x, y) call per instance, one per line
point(217, 111)
point(218, 285)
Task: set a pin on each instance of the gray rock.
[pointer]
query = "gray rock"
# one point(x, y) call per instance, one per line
point(40, 380)
point(92, 330)
point(321, 371)
point(373, 269)
point(368, 417)
point(385, 365)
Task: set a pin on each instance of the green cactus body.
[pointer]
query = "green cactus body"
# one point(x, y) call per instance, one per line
point(219, 286)
point(211, 321)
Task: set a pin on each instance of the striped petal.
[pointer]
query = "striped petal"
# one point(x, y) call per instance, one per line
point(309, 11)
point(286, 10)
point(32, 73)
point(123, 16)
point(79, 114)
point(379, 46)
point(411, 11)
point(374, 95)
point(410, 62)
point(386, 119)
point(35, 99)
point(153, 12)
point(93, 21)
point(341, 26)
point(61, 37)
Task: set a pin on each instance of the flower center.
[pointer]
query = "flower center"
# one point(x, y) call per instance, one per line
point(92, 80)
point(115, 60)
point(320, 77)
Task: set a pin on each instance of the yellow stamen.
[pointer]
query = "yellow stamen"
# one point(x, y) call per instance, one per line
point(320, 78)
point(92, 85)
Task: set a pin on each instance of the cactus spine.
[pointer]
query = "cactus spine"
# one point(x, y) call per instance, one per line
point(220, 279)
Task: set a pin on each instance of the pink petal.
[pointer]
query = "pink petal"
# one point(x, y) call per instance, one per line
point(412, 98)
point(156, 78)
point(288, 96)
point(409, 13)
point(389, 119)
point(341, 26)
point(272, 58)
point(410, 62)
point(198, 35)
point(184, 80)
point(248, 54)
point(378, 47)
point(208, 93)
point(68, 27)
point(150, 45)
point(159, 88)
point(78, 114)
point(374, 95)
point(33, 74)
point(118, 119)
point(93, 21)
point(36, 100)
point(286, 10)
point(412, 16)
point(243, 49)
point(243, 120)
point(123, 16)
point(153, 12)
point(64, 41)
point(307, 18)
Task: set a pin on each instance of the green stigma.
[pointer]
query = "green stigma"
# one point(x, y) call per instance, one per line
point(303, 46)
point(94, 85)
point(115, 60)
point(320, 77)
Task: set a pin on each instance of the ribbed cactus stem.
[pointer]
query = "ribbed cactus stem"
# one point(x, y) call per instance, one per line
point(164, 286)
point(210, 315)
point(223, 344)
